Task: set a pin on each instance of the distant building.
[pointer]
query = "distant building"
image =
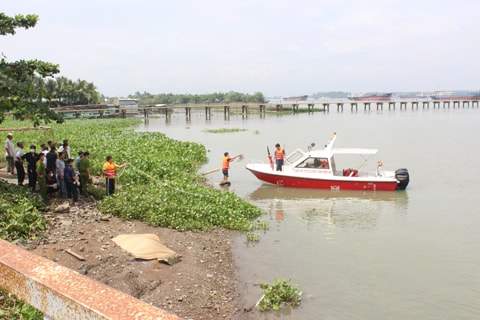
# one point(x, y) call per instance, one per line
point(130, 105)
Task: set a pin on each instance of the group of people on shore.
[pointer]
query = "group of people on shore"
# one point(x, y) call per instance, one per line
point(55, 170)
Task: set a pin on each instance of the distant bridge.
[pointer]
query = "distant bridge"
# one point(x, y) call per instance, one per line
point(262, 108)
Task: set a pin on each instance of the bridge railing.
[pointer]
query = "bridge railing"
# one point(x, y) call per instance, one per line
point(61, 293)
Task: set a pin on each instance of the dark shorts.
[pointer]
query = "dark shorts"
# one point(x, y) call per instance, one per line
point(225, 172)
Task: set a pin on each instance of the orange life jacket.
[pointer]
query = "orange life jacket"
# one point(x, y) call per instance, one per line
point(109, 170)
point(279, 153)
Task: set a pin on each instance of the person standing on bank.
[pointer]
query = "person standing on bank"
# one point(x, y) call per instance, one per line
point(51, 161)
point(60, 170)
point(279, 156)
point(109, 171)
point(19, 163)
point(42, 176)
point(226, 164)
point(10, 153)
point(71, 179)
point(31, 158)
point(84, 170)
point(65, 148)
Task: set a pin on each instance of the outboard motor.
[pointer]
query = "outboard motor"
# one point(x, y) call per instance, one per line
point(403, 178)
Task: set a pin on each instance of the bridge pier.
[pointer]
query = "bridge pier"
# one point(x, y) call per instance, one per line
point(310, 107)
point(188, 112)
point(208, 113)
point(295, 107)
point(340, 106)
point(403, 104)
point(391, 104)
point(279, 107)
point(353, 105)
point(379, 105)
point(456, 103)
point(426, 104)
point(262, 108)
point(414, 104)
point(326, 106)
point(446, 103)
point(474, 102)
point(366, 105)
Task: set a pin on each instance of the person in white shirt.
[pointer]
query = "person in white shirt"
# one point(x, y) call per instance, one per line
point(19, 164)
point(65, 148)
point(10, 153)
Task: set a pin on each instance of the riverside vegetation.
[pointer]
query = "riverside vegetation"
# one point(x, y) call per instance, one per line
point(160, 185)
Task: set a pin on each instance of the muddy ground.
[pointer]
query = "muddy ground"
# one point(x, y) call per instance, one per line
point(202, 285)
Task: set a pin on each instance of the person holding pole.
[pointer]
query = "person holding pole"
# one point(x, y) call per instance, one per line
point(226, 164)
point(109, 171)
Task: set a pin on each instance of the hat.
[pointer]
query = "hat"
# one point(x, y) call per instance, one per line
point(9, 134)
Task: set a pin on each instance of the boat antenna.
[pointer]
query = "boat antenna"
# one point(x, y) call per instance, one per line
point(311, 146)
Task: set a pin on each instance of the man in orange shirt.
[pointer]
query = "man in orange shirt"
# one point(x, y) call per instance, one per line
point(110, 170)
point(226, 164)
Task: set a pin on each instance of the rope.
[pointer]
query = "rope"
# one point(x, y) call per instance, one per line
point(120, 174)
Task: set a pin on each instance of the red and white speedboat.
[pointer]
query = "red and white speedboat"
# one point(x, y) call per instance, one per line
point(316, 169)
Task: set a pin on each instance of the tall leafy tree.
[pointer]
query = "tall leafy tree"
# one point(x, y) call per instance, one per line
point(20, 91)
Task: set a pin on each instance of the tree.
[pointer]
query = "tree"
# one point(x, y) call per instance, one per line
point(20, 89)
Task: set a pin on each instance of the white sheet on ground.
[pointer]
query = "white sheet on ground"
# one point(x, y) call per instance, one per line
point(146, 246)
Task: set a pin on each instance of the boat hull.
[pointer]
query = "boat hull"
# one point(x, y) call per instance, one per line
point(381, 97)
point(299, 98)
point(475, 97)
point(334, 183)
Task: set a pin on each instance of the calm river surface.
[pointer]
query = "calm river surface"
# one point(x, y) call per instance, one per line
point(411, 254)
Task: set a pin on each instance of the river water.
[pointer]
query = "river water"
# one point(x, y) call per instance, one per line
point(410, 254)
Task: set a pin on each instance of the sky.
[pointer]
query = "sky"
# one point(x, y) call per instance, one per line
point(277, 47)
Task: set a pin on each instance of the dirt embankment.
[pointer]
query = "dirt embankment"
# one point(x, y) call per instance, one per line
point(202, 285)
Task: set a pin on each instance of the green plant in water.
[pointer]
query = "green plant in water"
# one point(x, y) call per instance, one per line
point(224, 130)
point(252, 237)
point(279, 294)
point(260, 225)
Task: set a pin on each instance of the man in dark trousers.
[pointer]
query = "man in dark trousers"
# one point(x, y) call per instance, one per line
point(31, 158)
point(52, 161)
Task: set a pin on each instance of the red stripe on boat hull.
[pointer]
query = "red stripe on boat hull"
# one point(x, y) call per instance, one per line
point(298, 182)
